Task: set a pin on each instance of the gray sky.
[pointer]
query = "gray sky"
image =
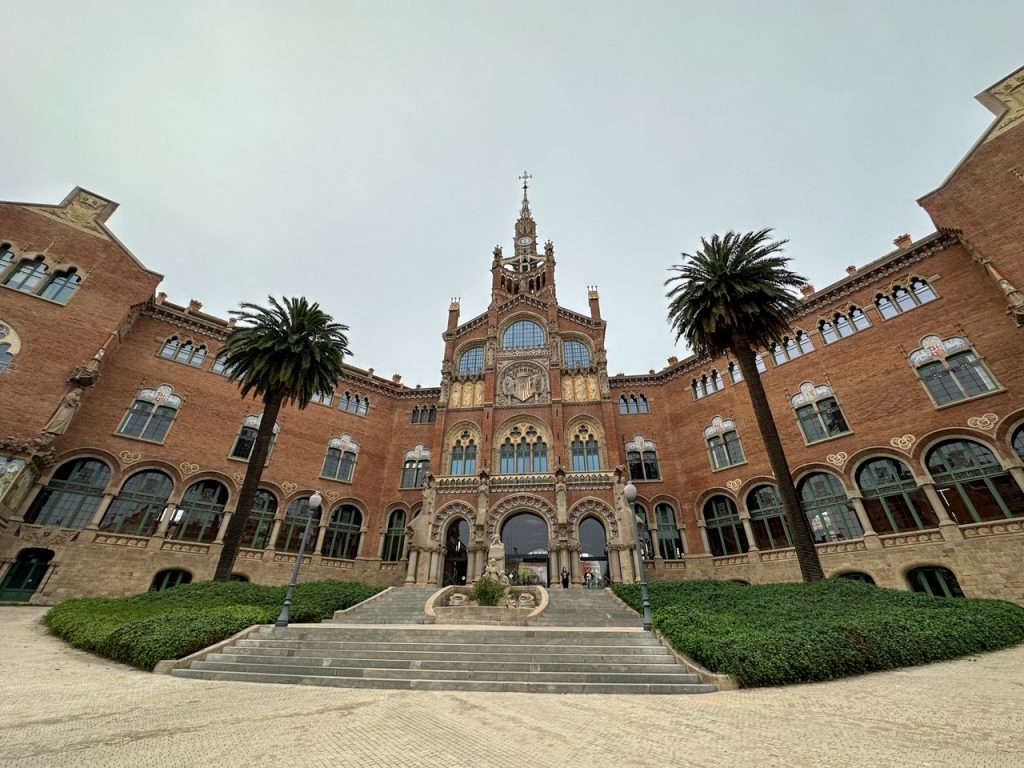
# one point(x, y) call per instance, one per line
point(365, 154)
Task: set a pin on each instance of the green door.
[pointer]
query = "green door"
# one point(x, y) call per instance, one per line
point(25, 575)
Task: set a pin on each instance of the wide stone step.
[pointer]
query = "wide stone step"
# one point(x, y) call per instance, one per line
point(510, 686)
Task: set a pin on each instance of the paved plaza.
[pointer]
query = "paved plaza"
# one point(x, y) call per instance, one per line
point(61, 707)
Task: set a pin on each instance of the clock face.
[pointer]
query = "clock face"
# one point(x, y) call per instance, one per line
point(525, 240)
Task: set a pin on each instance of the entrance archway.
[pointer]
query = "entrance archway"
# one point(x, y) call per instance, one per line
point(25, 575)
point(593, 551)
point(525, 536)
point(456, 555)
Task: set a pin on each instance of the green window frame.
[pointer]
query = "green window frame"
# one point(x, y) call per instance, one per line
point(972, 483)
point(724, 527)
point(768, 519)
point(828, 509)
point(137, 509)
point(72, 497)
point(892, 498)
point(343, 533)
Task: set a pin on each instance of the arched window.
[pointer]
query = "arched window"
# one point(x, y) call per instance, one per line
point(394, 539)
point(151, 415)
point(416, 468)
point(723, 443)
point(827, 508)
point(289, 538)
point(1018, 441)
point(892, 499)
point(972, 483)
point(10, 345)
point(340, 461)
point(472, 361)
point(28, 275)
point(72, 496)
point(724, 527)
point(523, 451)
point(342, 539)
point(140, 504)
point(246, 439)
point(767, 519)
point(62, 286)
point(586, 455)
point(735, 373)
point(857, 576)
point(200, 513)
point(260, 525)
point(670, 542)
point(575, 354)
point(951, 370)
point(464, 455)
point(819, 413)
point(934, 580)
point(170, 578)
point(524, 334)
point(642, 459)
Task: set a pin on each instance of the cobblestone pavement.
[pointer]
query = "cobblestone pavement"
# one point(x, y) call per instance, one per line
point(61, 707)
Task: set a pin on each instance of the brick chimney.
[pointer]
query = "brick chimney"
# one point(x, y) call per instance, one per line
point(903, 242)
point(807, 290)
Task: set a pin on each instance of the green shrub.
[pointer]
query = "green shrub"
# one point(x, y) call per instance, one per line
point(488, 591)
point(774, 634)
point(143, 629)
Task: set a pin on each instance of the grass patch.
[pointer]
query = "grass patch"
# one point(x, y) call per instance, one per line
point(775, 634)
point(143, 629)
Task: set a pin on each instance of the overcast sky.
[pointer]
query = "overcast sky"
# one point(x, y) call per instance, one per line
point(365, 154)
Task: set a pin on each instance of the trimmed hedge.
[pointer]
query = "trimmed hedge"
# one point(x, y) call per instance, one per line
point(774, 634)
point(143, 629)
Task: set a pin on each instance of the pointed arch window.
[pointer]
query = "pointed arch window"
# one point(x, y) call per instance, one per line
point(723, 443)
point(472, 361)
point(523, 451)
point(340, 461)
point(951, 370)
point(585, 450)
point(892, 498)
point(524, 334)
point(28, 275)
point(137, 509)
point(828, 509)
point(642, 459)
point(71, 498)
point(200, 514)
point(818, 413)
point(670, 541)
point(464, 455)
point(260, 525)
point(724, 527)
point(151, 415)
point(972, 483)
point(767, 519)
point(416, 468)
point(343, 533)
point(246, 439)
point(394, 539)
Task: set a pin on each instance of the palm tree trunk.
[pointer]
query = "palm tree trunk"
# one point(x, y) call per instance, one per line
point(803, 541)
point(253, 475)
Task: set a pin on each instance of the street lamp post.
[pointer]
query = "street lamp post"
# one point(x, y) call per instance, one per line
point(645, 595)
point(314, 514)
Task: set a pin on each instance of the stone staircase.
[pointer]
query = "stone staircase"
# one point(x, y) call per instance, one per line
point(585, 642)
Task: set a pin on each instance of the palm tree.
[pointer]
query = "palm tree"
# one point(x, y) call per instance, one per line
point(734, 295)
point(286, 353)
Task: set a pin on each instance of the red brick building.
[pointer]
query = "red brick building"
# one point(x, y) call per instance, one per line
point(899, 395)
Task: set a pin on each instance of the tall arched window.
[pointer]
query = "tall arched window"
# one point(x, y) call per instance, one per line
point(464, 455)
point(524, 334)
point(723, 443)
point(62, 286)
point(289, 538)
point(140, 504)
point(827, 508)
point(28, 275)
point(72, 496)
point(472, 361)
point(724, 527)
point(523, 451)
point(394, 539)
point(642, 459)
point(586, 454)
point(575, 354)
point(670, 542)
point(151, 415)
point(767, 519)
point(342, 539)
point(201, 511)
point(340, 461)
point(892, 498)
point(934, 580)
point(260, 525)
point(951, 370)
point(972, 483)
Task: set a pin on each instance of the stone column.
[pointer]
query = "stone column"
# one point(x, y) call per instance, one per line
point(101, 510)
point(947, 526)
point(871, 540)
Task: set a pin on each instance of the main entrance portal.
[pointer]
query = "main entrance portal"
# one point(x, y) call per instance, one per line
point(526, 546)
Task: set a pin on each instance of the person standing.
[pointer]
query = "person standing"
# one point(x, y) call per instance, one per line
point(565, 577)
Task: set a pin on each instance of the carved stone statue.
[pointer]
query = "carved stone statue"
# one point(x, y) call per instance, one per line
point(61, 419)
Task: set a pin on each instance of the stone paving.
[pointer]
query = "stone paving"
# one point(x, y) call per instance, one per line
point(62, 707)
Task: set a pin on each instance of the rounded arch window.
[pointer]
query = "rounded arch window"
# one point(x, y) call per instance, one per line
point(71, 498)
point(170, 578)
point(471, 361)
point(724, 527)
point(892, 498)
point(524, 334)
point(140, 504)
point(972, 483)
point(828, 510)
point(934, 580)
point(260, 524)
point(767, 519)
point(575, 354)
point(342, 539)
